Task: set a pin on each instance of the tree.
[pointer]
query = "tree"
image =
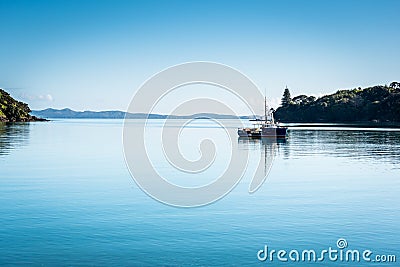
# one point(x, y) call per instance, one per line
point(300, 100)
point(395, 85)
point(286, 99)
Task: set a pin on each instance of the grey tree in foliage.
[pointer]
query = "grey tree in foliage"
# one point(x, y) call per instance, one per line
point(395, 85)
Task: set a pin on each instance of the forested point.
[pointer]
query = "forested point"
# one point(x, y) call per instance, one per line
point(373, 104)
point(12, 110)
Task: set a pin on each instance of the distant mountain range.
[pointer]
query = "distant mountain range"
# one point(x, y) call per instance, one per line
point(67, 113)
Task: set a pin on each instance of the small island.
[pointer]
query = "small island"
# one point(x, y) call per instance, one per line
point(377, 104)
point(12, 110)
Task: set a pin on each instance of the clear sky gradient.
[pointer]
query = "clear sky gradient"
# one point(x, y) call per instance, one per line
point(95, 54)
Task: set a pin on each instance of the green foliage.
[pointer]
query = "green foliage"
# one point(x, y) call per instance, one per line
point(377, 103)
point(13, 110)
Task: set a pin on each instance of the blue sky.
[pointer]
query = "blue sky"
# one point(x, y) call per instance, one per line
point(95, 54)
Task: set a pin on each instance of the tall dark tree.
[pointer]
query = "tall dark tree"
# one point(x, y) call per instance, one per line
point(286, 99)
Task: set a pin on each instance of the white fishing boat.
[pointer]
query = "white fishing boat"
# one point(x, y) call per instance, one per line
point(266, 127)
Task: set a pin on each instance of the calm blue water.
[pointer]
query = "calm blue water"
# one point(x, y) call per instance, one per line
point(67, 198)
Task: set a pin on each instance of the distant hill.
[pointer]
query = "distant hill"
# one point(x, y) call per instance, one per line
point(12, 110)
point(115, 114)
point(373, 104)
point(67, 113)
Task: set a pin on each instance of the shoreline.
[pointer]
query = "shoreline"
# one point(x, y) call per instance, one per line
point(31, 119)
point(372, 125)
point(342, 124)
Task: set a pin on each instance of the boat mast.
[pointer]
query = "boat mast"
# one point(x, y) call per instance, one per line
point(265, 107)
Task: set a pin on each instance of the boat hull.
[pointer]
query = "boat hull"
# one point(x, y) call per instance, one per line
point(249, 133)
point(274, 132)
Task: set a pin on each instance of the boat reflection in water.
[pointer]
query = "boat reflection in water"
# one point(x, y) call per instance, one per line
point(269, 148)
